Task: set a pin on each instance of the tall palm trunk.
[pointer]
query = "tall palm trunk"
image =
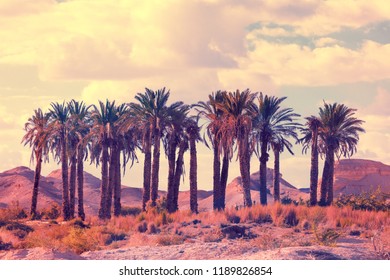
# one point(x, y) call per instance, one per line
point(104, 183)
point(314, 169)
point(65, 185)
point(37, 176)
point(111, 178)
point(80, 182)
point(72, 185)
point(224, 178)
point(329, 197)
point(277, 175)
point(147, 169)
point(263, 173)
point(193, 175)
point(326, 177)
point(155, 166)
point(216, 175)
point(171, 172)
point(178, 173)
point(244, 158)
point(117, 185)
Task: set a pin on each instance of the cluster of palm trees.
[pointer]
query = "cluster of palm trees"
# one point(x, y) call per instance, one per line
point(241, 121)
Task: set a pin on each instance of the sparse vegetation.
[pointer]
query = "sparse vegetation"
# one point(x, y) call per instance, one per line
point(259, 226)
point(371, 201)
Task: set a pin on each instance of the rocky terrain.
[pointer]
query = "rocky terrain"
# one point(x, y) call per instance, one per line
point(354, 176)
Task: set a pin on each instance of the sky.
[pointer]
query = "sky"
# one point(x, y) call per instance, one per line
point(308, 51)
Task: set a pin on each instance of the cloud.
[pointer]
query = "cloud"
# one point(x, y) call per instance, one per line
point(380, 105)
point(293, 64)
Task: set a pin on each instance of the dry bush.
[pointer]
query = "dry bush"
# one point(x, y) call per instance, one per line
point(290, 219)
point(277, 214)
point(381, 243)
point(81, 240)
point(8, 240)
point(326, 237)
point(213, 236)
point(14, 212)
point(212, 217)
point(142, 227)
point(167, 240)
point(152, 229)
point(267, 241)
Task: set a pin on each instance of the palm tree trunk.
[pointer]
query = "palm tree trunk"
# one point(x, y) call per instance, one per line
point(224, 178)
point(314, 170)
point(37, 176)
point(80, 182)
point(72, 185)
point(216, 175)
point(244, 158)
point(171, 173)
point(263, 173)
point(155, 167)
point(117, 185)
point(111, 179)
point(277, 175)
point(147, 169)
point(65, 185)
point(193, 176)
point(329, 198)
point(104, 184)
point(325, 177)
point(178, 174)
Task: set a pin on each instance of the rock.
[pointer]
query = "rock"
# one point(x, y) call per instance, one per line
point(354, 176)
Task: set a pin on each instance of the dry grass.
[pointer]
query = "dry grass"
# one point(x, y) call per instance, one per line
point(322, 225)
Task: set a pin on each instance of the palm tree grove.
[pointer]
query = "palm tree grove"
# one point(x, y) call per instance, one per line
point(235, 125)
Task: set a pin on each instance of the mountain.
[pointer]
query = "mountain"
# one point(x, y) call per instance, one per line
point(234, 191)
point(16, 187)
point(353, 176)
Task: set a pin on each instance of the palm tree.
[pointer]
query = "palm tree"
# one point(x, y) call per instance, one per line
point(79, 128)
point(101, 132)
point(272, 124)
point(339, 135)
point(221, 142)
point(176, 117)
point(238, 112)
point(153, 104)
point(311, 139)
point(278, 143)
point(59, 114)
point(192, 129)
point(37, 137)
point(140, 122)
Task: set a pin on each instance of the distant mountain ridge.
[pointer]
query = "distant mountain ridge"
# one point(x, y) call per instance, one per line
point(351, 176)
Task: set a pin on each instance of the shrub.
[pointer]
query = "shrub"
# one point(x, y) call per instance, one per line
point(152, 229)
point(167, 240)
point(114, 238)
point(142, 227)
point(291, 219)
point(327, 237)
point(370, 201)
point(51, 213)
point(79, 241)
point(133, 211)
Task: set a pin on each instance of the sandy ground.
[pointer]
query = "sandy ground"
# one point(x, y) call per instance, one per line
point(271, 243)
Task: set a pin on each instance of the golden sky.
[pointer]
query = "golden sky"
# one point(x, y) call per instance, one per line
point(91, 50)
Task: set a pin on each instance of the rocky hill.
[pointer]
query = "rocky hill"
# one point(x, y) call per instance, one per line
point(359, 175)
point(351, 176)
